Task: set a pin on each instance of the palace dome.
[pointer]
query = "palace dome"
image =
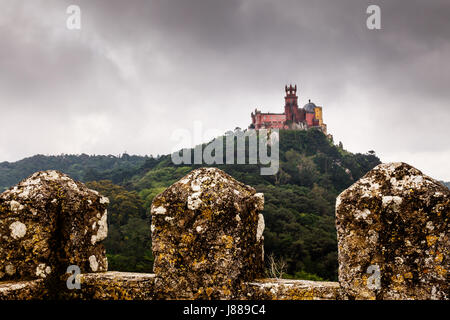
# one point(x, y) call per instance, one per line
point(309, 107)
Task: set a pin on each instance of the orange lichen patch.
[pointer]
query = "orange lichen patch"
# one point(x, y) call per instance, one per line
point(439, 257)
point(408, 275)
point(226, 291)
point(187, 238)
point(297, 294)
point(228, 240)
point(431, 240)
point(207, 213)
point(441, 271)
point(397, 279)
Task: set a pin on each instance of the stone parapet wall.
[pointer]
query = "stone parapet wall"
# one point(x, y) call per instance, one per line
point(114, 285)
point(23, 290)
point(207, 234)
point(111, 285)
point(283, 289)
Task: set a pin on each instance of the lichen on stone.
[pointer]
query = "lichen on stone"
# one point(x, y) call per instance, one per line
point(206, 236)
point(48, 222)
point(395, 219)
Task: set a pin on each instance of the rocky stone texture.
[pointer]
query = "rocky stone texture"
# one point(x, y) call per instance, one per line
point(48, 222)
point(396, 220)
point(206, 236)
point(140, 286)
point(116, 286)
point(281, 289)
point(23, 290)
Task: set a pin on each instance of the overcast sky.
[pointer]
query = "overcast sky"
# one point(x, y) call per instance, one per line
point(138, 70)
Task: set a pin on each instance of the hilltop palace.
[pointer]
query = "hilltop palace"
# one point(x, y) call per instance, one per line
point(293, 117)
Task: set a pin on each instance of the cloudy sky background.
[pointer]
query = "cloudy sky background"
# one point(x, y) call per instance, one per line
point(139, 70)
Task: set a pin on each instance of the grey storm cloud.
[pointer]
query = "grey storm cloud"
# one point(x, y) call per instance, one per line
point(139, 70)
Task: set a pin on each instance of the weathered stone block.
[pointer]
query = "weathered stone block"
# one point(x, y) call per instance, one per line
point(282, 289)
point(114, 285)
point(394, 222)
point(206, 236)
point(23, 290)
point(48, 222)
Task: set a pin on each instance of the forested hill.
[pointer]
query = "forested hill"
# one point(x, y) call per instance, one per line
point(80, 167)
point(299, 199)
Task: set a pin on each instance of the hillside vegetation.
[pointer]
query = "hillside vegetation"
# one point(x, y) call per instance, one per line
point(299, 200)
point(80, 167)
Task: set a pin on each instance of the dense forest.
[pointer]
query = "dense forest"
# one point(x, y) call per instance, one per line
point(80, 167)
point(299, 200)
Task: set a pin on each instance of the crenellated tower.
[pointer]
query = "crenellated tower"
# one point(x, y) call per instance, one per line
point(290, 102)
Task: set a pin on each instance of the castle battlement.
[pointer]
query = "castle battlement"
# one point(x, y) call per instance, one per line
point(207, 240)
